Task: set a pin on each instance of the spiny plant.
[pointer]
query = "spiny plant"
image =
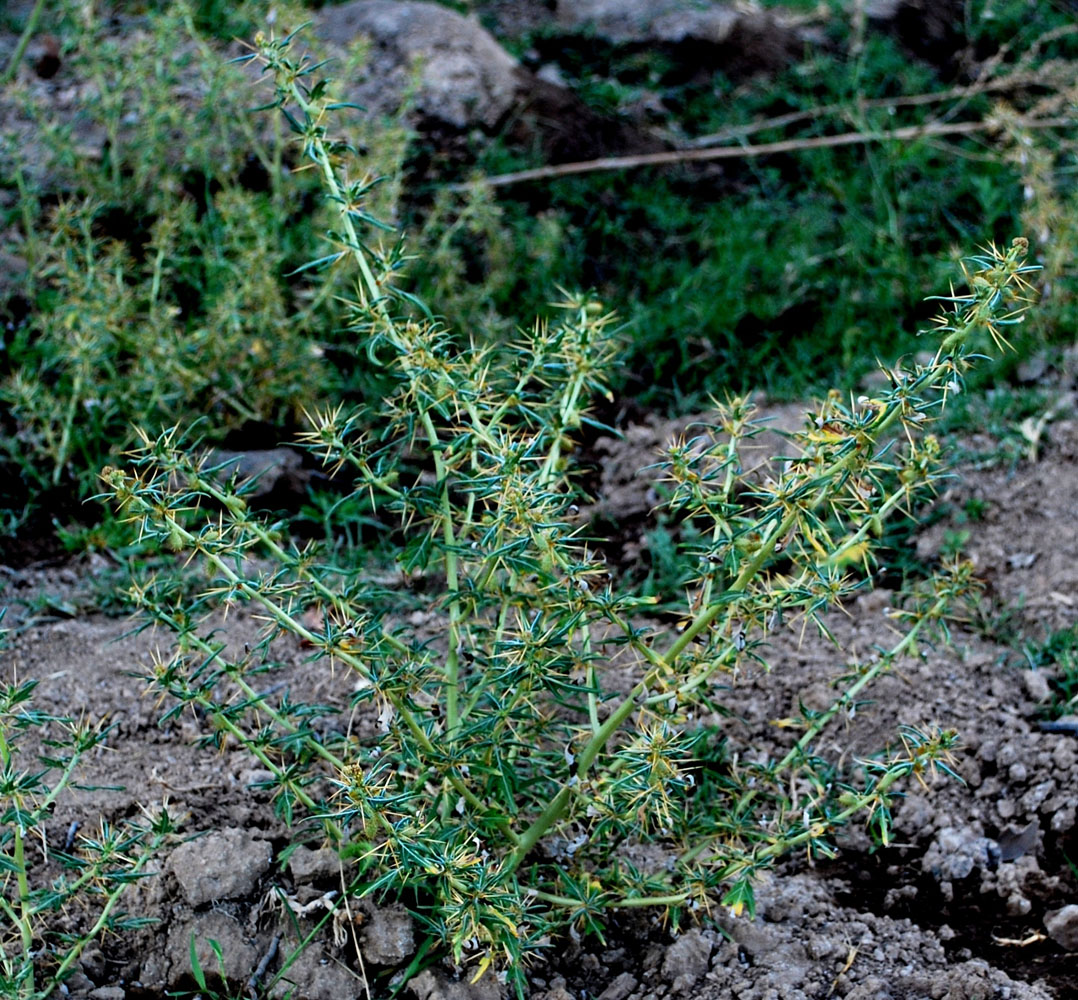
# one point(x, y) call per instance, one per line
point(39, 762)
point(545, 723)
point(154, 287)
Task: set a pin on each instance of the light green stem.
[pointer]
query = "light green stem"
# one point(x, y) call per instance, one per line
point(20, 47)
point(882, 665)
point(77, 949)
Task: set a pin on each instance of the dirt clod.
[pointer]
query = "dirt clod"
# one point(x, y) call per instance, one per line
point(1062, 926)
point(107, 993)
point(954, 854)
point(238, 952)
point(686, 960)
point(314, 976)
point(224, 864)
point(430, 985)
point(307, 866)
point(390, 935)
point(620, 988)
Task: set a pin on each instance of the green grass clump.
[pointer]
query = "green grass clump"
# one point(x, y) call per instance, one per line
point(543, 724)
point(755, 277)
point(1059, 654)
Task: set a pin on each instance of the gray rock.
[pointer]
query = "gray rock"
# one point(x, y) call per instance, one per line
point(1062, 926)
point(108, 993)
point(667, 21)
point(78, 983)
point(1036, 685)
point(686, 959)
point(557, 991)
point(954, 854)
point(225, 864)
point(748, 40)
point(431, 985)
point(872, 988)
point(92, 963)
point(1063, 819)
point(313, 976)
point(465, 77)
point(389, 935)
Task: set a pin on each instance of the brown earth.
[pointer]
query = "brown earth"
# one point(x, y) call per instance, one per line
point(969, 902)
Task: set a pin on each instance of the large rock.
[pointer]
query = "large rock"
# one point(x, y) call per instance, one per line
point(711, 34)
point(465, 78)
point(665, 21)
point(1062, 926)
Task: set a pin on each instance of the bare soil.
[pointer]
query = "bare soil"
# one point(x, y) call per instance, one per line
point(968, 903)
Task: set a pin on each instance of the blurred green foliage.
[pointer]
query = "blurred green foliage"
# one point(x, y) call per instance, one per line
point(779, 273)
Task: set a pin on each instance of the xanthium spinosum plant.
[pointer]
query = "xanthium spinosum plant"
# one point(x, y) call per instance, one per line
point(513, 766)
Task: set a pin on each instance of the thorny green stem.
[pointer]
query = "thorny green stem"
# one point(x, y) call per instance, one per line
point(26, 933)
point(707, 615)
point(20, 47)
point(102, 920)
point(23, 918)
point(767, 547)
point(530, 837)
point(354, 245)
point(290, 623)
point(702, 676)
point(287, 621)
point(278, 772)
point(882, 665)
point(377, 301)
point(817, 829)
point(630, 903)
point(720, 525)
point(452, 663)
point(205, 647)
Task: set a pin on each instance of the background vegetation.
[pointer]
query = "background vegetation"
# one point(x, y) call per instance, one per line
point(160, 276)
